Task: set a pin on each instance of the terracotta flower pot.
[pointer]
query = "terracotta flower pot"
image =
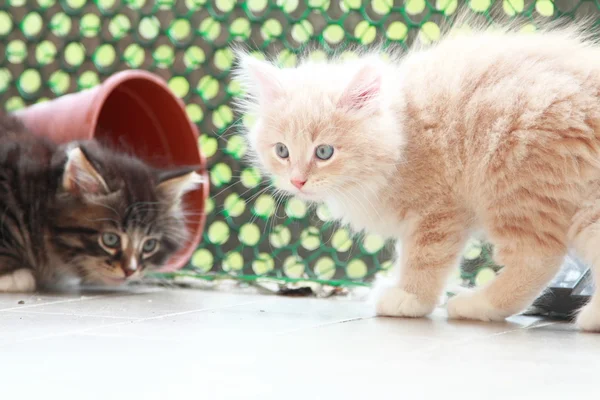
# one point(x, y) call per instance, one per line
point(136, 111)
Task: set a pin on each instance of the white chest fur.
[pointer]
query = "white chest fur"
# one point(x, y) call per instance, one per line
point(364, 211)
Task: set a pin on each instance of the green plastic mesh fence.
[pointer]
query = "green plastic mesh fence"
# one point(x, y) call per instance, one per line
point(52, 47)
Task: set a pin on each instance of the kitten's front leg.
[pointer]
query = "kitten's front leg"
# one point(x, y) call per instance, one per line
point(429, 253)
point(17, 281)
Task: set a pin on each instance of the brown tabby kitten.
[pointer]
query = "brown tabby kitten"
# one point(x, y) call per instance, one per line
point(81, 212)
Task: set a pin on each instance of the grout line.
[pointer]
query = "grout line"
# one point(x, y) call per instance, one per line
point(477, 338)
point(83, 297)
point(17, 312)
point(120, 336)
point(26, 306)
point(323, 325)
point(459, 342)
point(85, 330)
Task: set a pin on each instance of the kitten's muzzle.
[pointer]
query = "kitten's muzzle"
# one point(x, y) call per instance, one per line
point(129, 266)
point(128, 271)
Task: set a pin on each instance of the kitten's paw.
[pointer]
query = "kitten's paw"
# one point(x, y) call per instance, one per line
point(395, 302)
point(589, 318)
point(18, 281)
point(473, 305)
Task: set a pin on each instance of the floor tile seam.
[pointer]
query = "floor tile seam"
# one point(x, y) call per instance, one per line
point(65, 314)
point(81, 330)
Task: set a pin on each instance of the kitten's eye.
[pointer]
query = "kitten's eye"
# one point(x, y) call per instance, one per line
point(324, 152)
point(281, 150)
point(111, 240)
point(150, 245)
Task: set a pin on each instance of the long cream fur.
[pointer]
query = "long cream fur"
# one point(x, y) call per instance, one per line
point(492, 130)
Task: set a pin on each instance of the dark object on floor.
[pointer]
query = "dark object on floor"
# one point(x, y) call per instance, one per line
point(21, 301)
point(567, 293)
point(296, 292)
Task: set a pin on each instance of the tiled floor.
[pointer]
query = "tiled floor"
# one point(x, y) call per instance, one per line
point(178, 344)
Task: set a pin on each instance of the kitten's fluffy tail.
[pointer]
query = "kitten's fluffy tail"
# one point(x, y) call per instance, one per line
point(496, 21)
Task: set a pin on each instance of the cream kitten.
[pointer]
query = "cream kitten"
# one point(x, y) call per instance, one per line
point(496, 131)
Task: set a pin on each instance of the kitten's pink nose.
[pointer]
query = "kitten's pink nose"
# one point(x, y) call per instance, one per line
point(128, 271)
point(129, 268)
point(299, 183)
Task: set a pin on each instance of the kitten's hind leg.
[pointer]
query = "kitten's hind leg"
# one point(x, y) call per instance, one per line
point(429, 253)
point(531, 250)
point(17, 281)
point(585, 237)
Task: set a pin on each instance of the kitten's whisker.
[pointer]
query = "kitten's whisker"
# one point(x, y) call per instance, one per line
point(255, 195)
point(362, 185)
point(283, 195)
point(344, 205)
point(224, 189)
point(280, 197)
point(361, 204)
point(247, 202)
point(234, 124)
point(241, 195)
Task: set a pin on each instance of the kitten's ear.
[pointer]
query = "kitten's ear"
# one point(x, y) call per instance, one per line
point(261, 78)
point(80, 177)
point(364, 88)
point(173, 184)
